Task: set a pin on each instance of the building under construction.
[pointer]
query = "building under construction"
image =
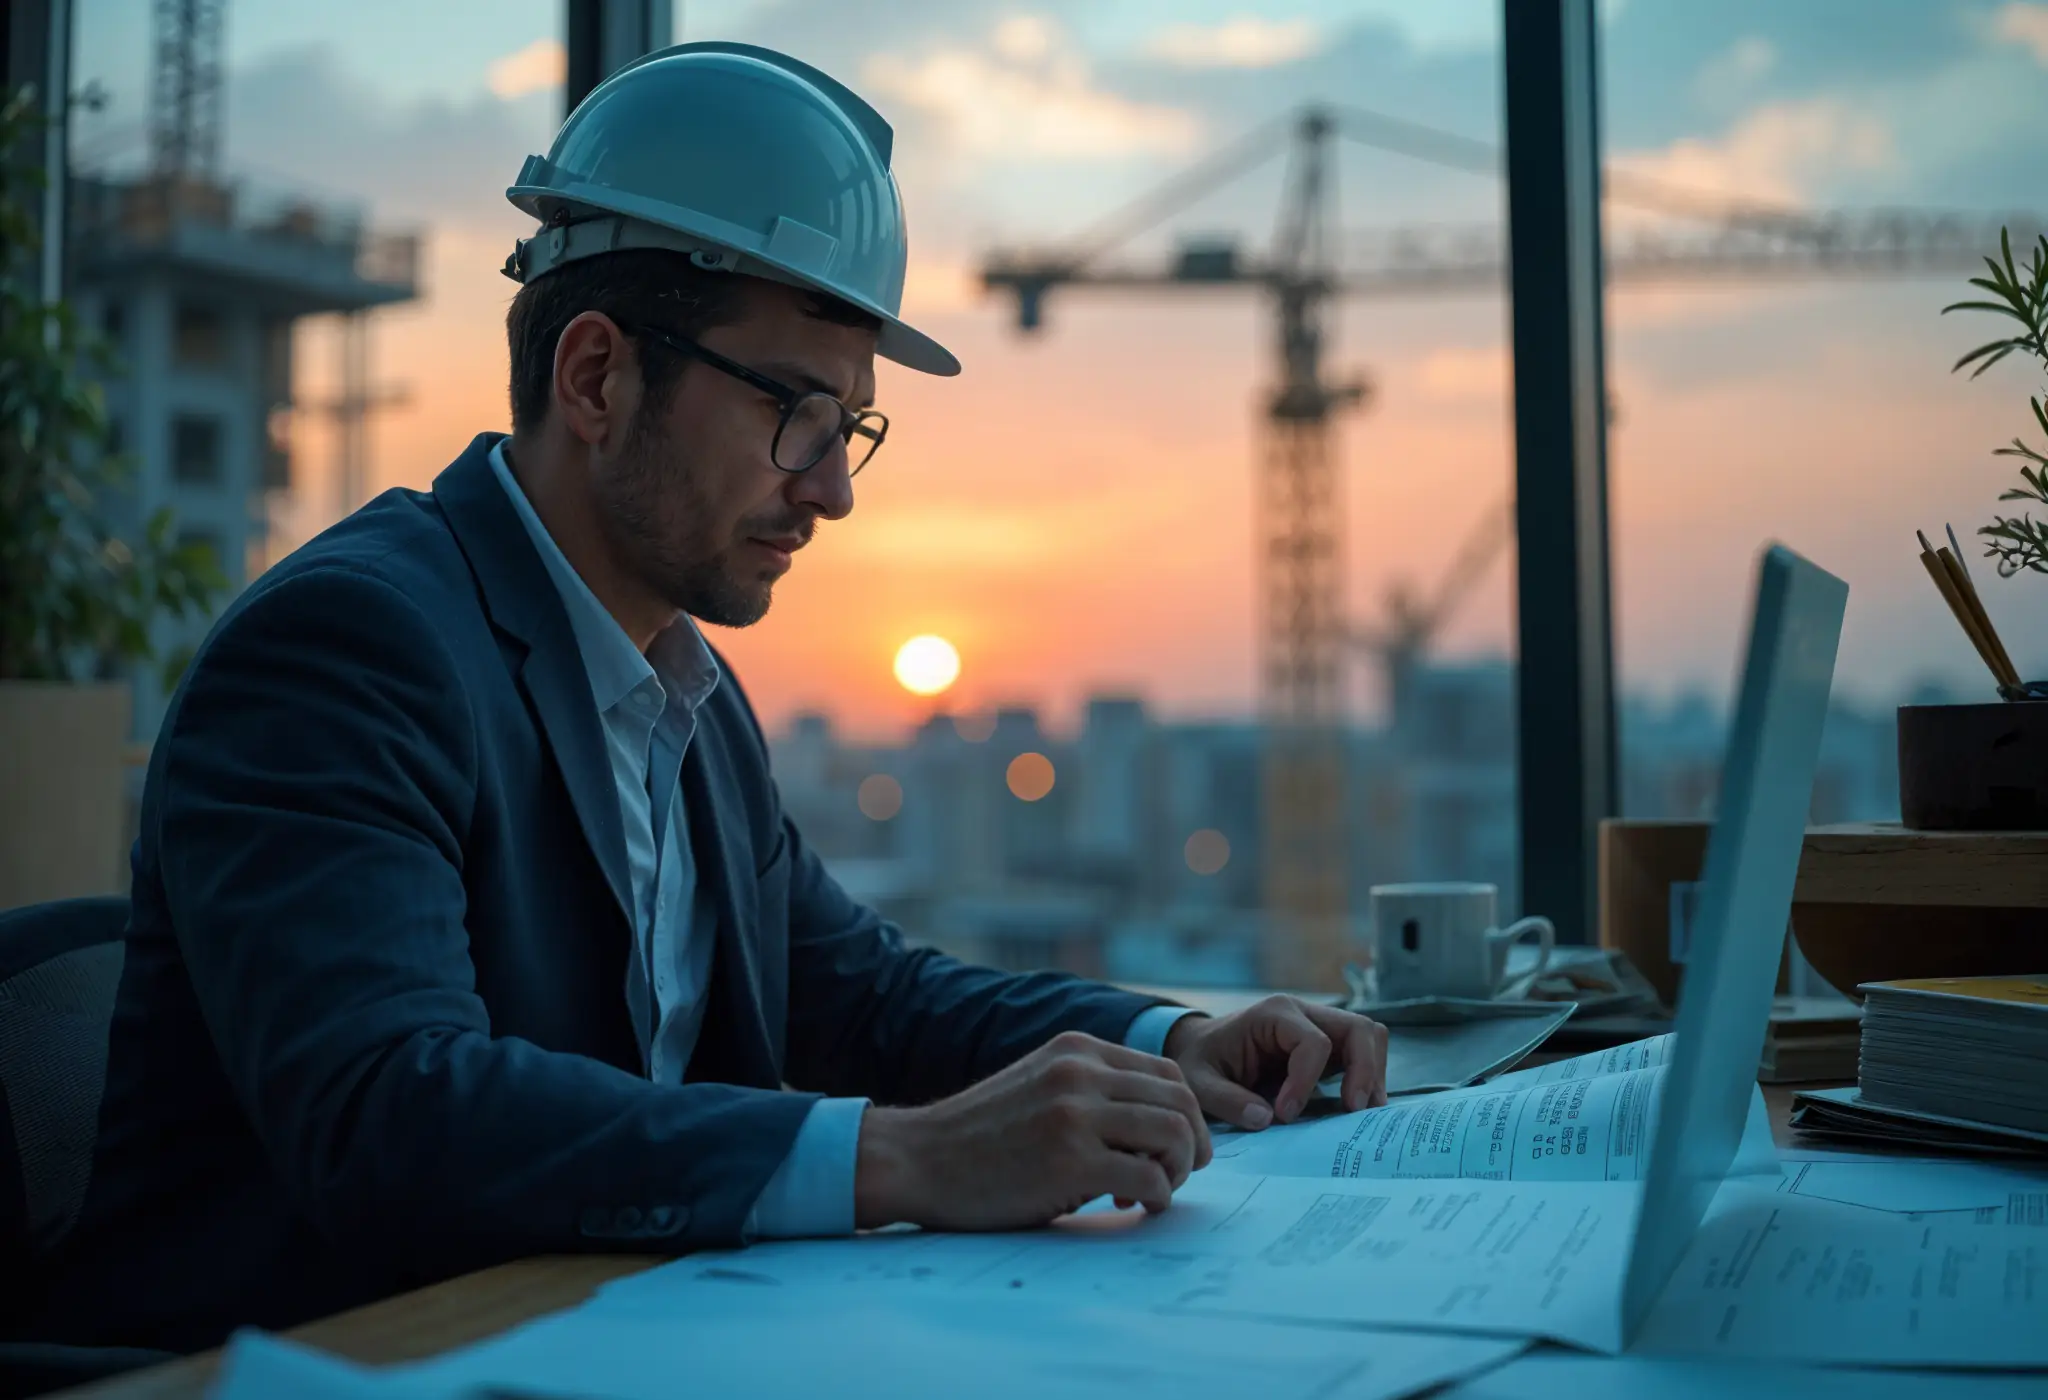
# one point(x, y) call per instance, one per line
point(198, 280)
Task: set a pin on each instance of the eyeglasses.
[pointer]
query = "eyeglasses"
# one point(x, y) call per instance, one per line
point(810, 420)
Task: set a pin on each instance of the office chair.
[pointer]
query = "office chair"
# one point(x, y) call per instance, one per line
point(60, 966)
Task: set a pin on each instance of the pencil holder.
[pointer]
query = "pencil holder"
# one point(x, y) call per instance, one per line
point(1974, 767)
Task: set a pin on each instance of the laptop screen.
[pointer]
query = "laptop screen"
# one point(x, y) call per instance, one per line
point(1745, 900)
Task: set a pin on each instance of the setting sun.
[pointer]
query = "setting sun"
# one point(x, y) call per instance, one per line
point(927, 665)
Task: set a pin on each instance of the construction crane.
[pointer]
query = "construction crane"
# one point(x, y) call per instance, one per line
point(1304, 638)
point(185, 87)
point(1406, 633)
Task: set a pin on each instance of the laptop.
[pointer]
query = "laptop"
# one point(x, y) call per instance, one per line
point(1745, 901)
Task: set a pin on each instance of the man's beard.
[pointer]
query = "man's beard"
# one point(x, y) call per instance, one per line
point(656, 513)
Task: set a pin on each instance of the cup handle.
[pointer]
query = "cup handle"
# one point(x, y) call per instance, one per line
point(1513, 933)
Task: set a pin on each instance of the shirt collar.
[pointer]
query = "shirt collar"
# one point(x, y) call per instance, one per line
point(680, 659)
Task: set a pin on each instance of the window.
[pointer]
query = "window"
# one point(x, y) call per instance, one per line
point(1083, 514)
point(276, 243)
point(196, 450)
point(1812, 408)
point(1113, 570)
point(199, 337)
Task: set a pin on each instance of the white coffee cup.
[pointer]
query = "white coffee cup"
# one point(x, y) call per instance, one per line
point(1439, 940)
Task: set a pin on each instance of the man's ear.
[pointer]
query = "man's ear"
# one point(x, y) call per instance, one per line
point(597, 381)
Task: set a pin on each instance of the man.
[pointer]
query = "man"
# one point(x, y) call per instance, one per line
point(467, 924)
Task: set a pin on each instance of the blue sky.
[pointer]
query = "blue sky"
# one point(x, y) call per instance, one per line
point(1822, 415)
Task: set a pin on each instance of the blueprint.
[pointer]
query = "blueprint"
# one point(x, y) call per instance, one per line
point(1986, 1193)
point(1773, 1275)
point(1543, 1260)
point(729, 1338)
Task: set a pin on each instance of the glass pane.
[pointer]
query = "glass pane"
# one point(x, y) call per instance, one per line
point(1116, 519)
point(314, 238)
point(1762, 393)
point(1179, 521)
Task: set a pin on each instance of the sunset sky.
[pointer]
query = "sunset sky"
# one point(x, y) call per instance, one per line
point(1074, 511)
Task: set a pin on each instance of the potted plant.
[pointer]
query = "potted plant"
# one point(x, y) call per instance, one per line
point(79, 602)
point(1985, 767)
point(2019, 294)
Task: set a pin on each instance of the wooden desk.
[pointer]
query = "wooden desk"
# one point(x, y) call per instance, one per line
point(410, 1326)
point(428, 1321)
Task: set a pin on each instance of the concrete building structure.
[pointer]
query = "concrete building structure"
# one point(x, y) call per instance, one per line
point(198, 283)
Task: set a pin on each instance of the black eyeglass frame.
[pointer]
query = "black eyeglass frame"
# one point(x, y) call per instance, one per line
point(865, 422)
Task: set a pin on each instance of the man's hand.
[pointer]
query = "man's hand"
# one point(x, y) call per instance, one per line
point(1075, 1119)
point(1229, 1060)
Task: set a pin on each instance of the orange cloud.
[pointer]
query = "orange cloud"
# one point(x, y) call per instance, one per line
point(541, 65)
point(1028, 96)
point(1775, 154)
point(2025, 25)
point(1248, 41)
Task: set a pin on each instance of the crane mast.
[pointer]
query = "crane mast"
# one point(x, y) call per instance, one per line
point(1303, 639)
point(185, 87)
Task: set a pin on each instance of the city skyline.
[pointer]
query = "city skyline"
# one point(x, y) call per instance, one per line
point(1132, 843)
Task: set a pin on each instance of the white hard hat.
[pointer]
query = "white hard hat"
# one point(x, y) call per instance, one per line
point(745, 159)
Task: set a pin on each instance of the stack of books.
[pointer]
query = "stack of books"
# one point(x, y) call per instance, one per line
point(1973, 1049)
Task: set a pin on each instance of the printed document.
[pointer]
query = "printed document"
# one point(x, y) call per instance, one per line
point(1562, 1375)
point(1981, 1193)
point(738, 1339)
point(1775, 1276)
point(258, 1366)
point(732, 1339)
point(1541, 1260)
point(1590, 1118)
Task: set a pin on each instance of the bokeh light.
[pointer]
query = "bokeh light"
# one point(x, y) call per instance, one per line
point(880, 797)
point(927, 665)
point(1208, 851)
point(1030, 776)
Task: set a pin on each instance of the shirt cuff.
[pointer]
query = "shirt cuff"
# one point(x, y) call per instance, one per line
point(811, 1193)
point(1149, 1028)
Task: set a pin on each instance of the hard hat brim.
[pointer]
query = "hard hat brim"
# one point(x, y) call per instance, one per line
point(643, 223)
point(913, 349)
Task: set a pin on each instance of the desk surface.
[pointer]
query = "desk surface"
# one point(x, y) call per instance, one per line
point(462, 1310)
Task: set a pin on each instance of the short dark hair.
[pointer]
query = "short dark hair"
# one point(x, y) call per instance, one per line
point(643, 285)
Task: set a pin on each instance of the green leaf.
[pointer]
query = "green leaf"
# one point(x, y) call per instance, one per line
point(1996, 352)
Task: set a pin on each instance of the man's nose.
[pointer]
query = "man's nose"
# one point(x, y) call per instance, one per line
point(827, 487)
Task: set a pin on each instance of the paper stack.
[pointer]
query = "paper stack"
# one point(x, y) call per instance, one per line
point(1811, 1038)
point(1972, 1048)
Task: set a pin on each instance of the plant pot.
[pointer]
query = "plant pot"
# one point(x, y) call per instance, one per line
point(1974, 767)
point(1849, 944)
point(63, 790)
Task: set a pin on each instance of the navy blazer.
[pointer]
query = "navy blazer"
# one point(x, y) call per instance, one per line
point(373, 1030)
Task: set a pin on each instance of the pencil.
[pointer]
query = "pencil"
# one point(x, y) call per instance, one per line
point(1954, 598)
point(2008, 674)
